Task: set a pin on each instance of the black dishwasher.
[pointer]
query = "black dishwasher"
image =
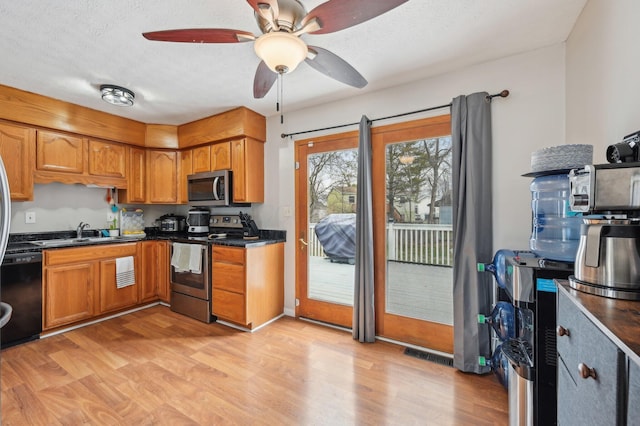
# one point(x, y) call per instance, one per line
point(21, 287)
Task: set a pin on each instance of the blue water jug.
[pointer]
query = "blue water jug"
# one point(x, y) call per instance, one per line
point(499, 365)
point(501, 319)
point(555, 230)
point(499, 266)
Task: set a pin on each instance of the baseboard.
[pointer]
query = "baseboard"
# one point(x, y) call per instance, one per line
point(44, 335)
point(250, 330)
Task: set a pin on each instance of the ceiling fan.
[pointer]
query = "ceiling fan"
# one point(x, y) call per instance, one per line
point(280, 47)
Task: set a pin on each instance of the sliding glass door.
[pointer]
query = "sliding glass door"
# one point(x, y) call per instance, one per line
point(326, 193)
point(413, 236)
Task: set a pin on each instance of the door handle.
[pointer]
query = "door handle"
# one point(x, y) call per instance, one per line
point(304, 243)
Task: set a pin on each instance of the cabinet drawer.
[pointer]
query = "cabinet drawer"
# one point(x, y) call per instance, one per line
point(228, 305)
point(228, 276)
point(228, 254)
point(85, 253)
point(595, 400)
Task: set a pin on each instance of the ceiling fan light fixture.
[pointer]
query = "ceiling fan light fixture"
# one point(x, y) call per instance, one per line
point(117, 95)
point(281, 51)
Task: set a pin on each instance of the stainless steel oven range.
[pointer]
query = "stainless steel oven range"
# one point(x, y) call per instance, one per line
point(190, 278)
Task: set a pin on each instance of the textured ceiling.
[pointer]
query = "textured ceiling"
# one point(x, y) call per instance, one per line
point(67, 49)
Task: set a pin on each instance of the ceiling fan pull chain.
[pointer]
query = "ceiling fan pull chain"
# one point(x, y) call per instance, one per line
point(280, 106)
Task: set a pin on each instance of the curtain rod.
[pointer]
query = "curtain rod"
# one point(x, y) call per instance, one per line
point(502, 94)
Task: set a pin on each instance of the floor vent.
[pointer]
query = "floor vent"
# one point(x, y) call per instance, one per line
point(429, 357)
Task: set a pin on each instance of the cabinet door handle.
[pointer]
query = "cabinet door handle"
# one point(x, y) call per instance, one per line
point(304, 243)
point(586, 372)
point(563, 331)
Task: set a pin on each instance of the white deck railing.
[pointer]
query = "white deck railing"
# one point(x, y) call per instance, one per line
point(407, 242)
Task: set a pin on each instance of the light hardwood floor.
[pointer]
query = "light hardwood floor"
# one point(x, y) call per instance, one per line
point(156, 367)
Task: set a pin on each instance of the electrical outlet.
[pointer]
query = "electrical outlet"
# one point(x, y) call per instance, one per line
point(110, 216)
point(30, 217)
point(286, 211)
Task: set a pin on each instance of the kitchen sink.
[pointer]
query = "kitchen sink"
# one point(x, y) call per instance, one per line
point(59, 242)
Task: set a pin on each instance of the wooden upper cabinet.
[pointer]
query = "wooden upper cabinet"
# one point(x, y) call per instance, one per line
point(201, 159)
point(221, 156)
point(247, 160)
point(209, 158)
point(162, 177)
point(60, 152)
point(185, 169)
point(136, 177)
point(17, 149)
point(107, 159)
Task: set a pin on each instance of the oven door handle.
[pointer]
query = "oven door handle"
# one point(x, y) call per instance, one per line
point(6, 311)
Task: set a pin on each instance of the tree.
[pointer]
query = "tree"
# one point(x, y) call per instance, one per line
point(417, 170)
point(330, 172)
point(438, 155)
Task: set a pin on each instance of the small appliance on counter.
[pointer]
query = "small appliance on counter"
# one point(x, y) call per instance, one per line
point(198, 220)
point(171, 223)
point(608, 258)
point(132, 223)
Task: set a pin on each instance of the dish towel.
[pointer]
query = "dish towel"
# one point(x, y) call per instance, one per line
point(195, 260)
point(186, 257)
point(125, 273)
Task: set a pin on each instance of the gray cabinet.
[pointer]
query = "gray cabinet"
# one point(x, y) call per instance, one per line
point(633, 403)
point(591, 370)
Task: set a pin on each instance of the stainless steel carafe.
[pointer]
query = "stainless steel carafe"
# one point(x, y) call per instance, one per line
point(608, 258)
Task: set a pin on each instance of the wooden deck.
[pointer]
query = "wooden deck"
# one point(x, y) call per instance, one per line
point(413, 290)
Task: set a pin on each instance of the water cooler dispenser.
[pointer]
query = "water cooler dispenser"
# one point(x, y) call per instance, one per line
point(532, 355)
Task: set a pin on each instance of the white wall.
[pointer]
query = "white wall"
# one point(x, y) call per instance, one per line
point(603, 88)
point(532, 117)
point(61, 207)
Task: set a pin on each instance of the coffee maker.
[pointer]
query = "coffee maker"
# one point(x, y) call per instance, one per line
point(608, 256)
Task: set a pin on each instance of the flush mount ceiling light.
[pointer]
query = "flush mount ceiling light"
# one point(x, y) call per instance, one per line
point(281, 51)
point(117, 95)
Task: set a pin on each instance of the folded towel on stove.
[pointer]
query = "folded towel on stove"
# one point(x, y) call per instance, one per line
point(186, 257)
point(125, 272)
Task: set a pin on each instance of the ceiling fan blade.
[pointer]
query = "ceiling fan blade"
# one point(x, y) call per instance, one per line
point(335, 67)
point(336, 15)
point(263, 81)
point(201, 35)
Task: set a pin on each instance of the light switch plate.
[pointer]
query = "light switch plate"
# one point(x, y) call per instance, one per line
point(30, 217)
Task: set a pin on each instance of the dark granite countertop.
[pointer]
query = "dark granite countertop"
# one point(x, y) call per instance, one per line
point(23, 243)
point(618, 319)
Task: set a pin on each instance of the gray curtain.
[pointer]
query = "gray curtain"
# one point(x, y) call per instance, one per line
point(472, 227)
point(364, 324)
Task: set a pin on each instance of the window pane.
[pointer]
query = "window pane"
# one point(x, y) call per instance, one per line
point(419, 230)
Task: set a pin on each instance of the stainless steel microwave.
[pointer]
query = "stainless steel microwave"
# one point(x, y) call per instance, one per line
point(210, 188)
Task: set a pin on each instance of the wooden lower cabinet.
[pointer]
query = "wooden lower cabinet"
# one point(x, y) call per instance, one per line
point(248, 284)
point(154, 280)
point(113, 298)
point(79, 283)
point(69, 293)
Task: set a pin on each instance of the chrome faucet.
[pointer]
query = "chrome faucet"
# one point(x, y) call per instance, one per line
point(79, 229)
